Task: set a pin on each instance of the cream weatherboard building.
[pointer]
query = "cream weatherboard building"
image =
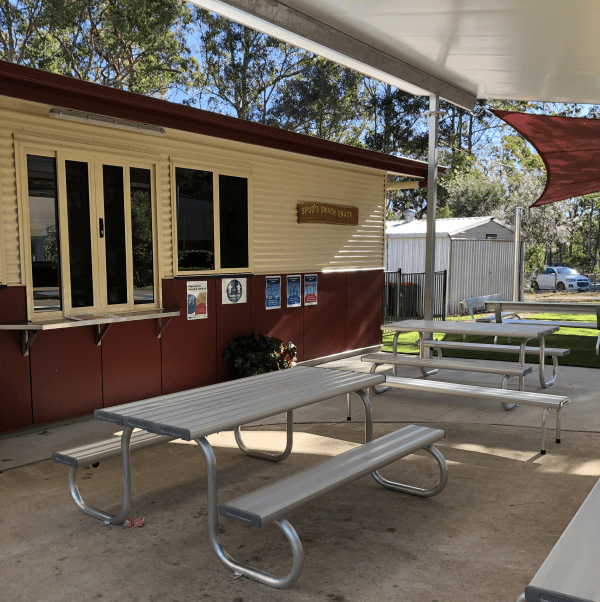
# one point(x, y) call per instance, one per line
point(113, 202)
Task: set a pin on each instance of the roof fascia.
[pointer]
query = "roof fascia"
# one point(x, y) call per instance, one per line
point(54, 90)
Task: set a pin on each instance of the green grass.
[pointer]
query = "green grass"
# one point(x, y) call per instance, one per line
point(580, 341)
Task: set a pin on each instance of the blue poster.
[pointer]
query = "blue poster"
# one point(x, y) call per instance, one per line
point(294, 292)
point(273, 292)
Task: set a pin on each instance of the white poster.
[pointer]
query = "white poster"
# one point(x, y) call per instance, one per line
point(233, 291)
point(197, 300)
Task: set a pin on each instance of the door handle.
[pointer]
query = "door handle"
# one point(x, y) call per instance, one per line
point(101, 228)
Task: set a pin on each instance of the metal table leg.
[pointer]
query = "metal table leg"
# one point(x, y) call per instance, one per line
point(108, 519)
point(289, 429)
point(395, 351)
point(422, 355)
point(543, 381)
point(213, 529)
point(522, 362)
point(381, 389)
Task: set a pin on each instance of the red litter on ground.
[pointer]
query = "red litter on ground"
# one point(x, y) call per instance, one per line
point(134, 522)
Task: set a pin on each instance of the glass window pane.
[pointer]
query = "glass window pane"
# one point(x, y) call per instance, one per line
point(114, 234)
point(141, 235)
point(80, 243)
point(43, 230)
point(195, 219)
point(233, 219)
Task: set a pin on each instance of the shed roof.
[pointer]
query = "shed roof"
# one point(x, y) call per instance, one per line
point(450, 226)
point(64, 92)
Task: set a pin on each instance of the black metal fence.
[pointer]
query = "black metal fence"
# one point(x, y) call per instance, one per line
point(403, 296)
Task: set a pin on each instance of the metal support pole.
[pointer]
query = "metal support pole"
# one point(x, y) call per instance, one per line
point(517, 270)
point(434, 120)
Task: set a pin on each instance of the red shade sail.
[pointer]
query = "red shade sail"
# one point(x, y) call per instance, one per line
point(570, 149)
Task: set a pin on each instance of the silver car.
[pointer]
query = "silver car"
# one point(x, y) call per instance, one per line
point(559, 278)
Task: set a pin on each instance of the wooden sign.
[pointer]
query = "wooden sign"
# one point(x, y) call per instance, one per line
point(326, 213)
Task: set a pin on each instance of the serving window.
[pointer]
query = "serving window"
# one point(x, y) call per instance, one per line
point(91, 225)
point(211, 225)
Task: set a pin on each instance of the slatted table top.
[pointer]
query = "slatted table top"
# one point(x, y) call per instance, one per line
point(511, 329)
point(200, 412)
point(570, 572)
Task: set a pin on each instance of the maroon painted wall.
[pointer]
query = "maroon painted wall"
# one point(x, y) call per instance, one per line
point(325, 323)
point(364, 308)
point(188, 346)
point(131, 364)
point(67, 375)
point(15, 383)
point(233, 320)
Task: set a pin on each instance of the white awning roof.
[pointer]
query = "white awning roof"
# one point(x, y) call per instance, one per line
point(538, 50)
point(450, 226)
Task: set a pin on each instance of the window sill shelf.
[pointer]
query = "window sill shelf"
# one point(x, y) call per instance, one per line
point(101, 323)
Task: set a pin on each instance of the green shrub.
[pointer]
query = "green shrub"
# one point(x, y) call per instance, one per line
point(252, 354)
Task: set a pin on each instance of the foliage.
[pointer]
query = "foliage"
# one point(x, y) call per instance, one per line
point(535, 257)
point(138, 45)
point(252, 354)
point(323, 100)
point(241, 68)
point(50, 245)
point(195, 260)
point(141, 239)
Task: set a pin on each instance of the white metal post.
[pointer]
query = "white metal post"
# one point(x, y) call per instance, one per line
point(517, 270)
point(434, 119)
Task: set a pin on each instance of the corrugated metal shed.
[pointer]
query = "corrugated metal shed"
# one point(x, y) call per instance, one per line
point(455, 227)
point(477, 252)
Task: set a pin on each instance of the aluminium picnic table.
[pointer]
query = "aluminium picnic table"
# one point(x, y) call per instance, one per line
point(193, 415)
point(551, 307)
point(524, 332)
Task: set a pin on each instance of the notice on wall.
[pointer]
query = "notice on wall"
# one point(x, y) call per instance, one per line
point(197, 300)
point(310, 289)
point(233, 291)
point(273, 292)
point(294, 291)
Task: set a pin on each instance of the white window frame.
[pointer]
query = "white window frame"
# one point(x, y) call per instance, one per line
point(95, 157)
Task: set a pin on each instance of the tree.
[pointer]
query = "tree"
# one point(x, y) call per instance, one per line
point(137, 45)
point(323, 100)
point(19, 22)
point(242, 69)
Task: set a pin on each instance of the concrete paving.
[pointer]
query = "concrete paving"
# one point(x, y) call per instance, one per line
point(483, 538)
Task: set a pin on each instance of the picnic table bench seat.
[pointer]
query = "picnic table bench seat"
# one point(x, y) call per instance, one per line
point(105, 449)
point(549, 351)
point(552, 352)
point(98, 451)
point(474, 303)
point(570, 572)
point(430, 366)
point(277, 499)
point(506, 397)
